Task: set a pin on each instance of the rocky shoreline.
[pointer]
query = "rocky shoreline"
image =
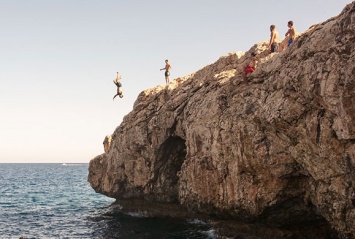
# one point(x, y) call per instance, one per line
point(226, 228)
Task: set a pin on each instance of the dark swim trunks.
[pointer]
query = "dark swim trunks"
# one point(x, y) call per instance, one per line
point(118, 84)
point(290, 42)
point(274, 47)
point(167, 73)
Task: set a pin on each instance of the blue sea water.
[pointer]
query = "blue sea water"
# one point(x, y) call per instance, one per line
point(56, 201)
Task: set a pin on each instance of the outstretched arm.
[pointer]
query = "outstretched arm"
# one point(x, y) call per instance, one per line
point(255, 63)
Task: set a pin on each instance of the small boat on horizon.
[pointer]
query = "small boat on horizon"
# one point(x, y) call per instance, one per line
point(71, 164)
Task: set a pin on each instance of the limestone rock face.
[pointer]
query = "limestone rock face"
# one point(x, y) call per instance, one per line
point(107, 143)
point(279, 150)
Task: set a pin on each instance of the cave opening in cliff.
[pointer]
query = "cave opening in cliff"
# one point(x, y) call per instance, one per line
point(171, 155)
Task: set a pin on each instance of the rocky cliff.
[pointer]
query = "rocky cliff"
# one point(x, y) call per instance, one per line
point(279, 150)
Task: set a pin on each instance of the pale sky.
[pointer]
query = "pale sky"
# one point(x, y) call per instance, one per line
point(58, 59)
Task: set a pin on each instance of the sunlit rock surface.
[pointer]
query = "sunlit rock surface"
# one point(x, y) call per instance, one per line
point(279, 150)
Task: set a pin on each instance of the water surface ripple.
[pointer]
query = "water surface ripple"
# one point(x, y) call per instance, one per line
point(56, 201)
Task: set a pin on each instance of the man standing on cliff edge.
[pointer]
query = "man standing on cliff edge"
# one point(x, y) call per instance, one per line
point(167, 71)
point(291, 33)
point(273, 39)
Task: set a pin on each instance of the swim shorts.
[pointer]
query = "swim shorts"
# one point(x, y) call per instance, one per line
point(274, 47)
point(248, 69)
point(167, 73)
point(290, 42)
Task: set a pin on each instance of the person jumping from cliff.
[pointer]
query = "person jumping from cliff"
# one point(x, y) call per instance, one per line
point(291, 33)
point(119, 86)
point(250, 66)
point(167, 71)
point(273, 45)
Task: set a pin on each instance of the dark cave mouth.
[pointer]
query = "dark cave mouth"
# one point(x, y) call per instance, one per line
point(170, 157)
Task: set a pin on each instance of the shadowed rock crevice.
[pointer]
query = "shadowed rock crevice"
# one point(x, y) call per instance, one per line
point(294, 211)
point(170, 157)
point(319, 118)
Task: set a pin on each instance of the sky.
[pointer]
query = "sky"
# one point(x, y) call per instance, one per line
point(58, 59)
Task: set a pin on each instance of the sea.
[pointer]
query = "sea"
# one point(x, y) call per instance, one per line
point(56, 201)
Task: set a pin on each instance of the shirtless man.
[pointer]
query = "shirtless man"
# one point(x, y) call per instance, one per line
point(291, 33)
point(273, 39)
point(250, 67)
point(119, 85)
point(167, 71)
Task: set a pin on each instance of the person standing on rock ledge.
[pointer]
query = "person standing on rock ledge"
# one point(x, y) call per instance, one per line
point(273, 39)
point(291, 33)
point(167, 71)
